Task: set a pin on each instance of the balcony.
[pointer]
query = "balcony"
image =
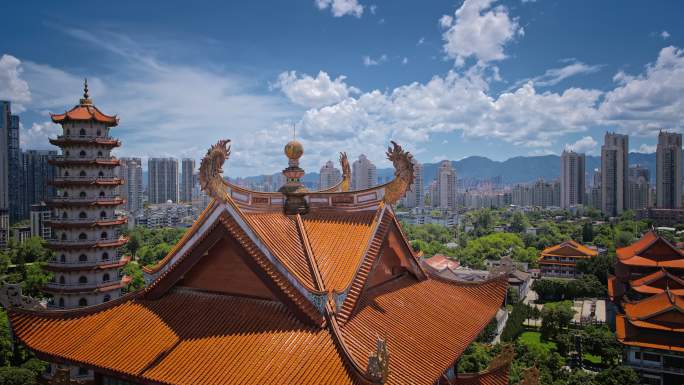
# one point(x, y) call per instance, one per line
point(86, 243)
point(74, 140)
point(57, 266)
point(62, 181)
point(61, 223)
point(106, 200)
point(62, 160)
point(89, 287)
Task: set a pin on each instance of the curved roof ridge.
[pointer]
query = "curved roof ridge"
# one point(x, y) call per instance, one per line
point(85, 112)
point(90, 309)
point(318, 279)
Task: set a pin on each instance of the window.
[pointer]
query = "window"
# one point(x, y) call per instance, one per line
point(100, 174)
point(105, 256)
point(83, 258)
point(99, 153)
point(82, 173)
point(103, 235)
point(82, 236)
point(82, 279)
point(66, 173)
point(67, 153)
point(82, 132)
point(62, 258)
point(102, 194)
point(105, 277)
point(62, 281)
point(103, 214)
point(64, 236)
point(651, 357)
point(61, 302)
point(66, 194)
point(82, 154)
point(65, 215)
point(82, 194)
point(106, 298)
point(68, 132)
point(82, 215)
point(99, 132)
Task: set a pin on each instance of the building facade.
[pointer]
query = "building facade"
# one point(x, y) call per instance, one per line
point(187, 179)
point(669, 170)
point(329, 176)
point(639, 192)
point(572, 183)
point(614, 173)
point(445, 186)
point(40, 218)
point(162, 183)
point(560, 261)
point(415, 196)
point(364, 173)
point(87, 266)
point(130, 171)
point(38, 169)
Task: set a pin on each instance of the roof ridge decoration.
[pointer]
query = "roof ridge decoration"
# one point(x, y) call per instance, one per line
point(346, 172)
point(402, 161)
point(378, 361)
point(211, 170)
point(11, 297)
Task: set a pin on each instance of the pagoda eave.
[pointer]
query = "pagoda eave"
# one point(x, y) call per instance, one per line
point(85, 202)
point(87, 182)
point(66, 142)
point(85, 162)
point(86, 244)
point(60, 224)
point(85, 289)
point(58, 267)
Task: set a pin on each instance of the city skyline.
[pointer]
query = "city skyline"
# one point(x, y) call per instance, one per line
point(359, 100)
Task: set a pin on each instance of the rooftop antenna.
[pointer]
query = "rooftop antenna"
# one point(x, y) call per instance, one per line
point(294, 131)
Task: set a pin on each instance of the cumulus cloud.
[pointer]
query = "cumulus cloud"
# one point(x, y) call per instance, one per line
point(665, 35)
point(341, 8)
point(478, 30)
point(12, 86)
point(586, 144)
point(645, 103)
point(36, 136)
point(313, 92)
point(647, 149)
point(369, 61)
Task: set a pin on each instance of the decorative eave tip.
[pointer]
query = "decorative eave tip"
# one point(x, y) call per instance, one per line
point(402, 161)
point(211, 169)
point(85, 101)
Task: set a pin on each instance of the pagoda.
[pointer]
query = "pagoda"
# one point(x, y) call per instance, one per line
point(287, 287)
point(648, 292)
point(86, 266)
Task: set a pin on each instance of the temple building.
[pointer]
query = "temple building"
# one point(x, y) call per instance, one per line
point(287, 287)
point(648, 291)
point(85, 229)
point(560, 261)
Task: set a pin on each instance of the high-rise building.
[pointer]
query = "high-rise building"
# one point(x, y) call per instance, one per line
point(87, 269)
point(572, 179)
point(187, 179)
point(669, 170)
point(162, 180)
point(11, 181)
point(329, 175)
point(614, 169)
point(364, 173)
point(38, 169)
point(40, 216)
point(5, 121)
point(445, 187)
point(130, 171)
point(416, 194)
point(638, 194)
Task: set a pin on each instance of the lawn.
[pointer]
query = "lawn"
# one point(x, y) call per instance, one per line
point(534, 339)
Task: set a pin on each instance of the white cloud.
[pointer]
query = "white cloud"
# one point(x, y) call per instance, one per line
point(12, 86)
point(373, 8)
point(341, 8)
point(645, 103)
point(369, 61)
point(586, 144)
point(404, 60)
point(665, 35)
point(421, 41)
point(554, 76)
point(647, 149)
point(36, 137)
point(478, 30)
point(313, 92)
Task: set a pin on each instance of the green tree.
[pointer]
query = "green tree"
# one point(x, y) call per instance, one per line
point(519, 222)
point(474, 359)
point(17, 376)
point(600, 341)
point(34, 279)
point(618, 375)
point(556, 317)
point(599, 266)
point(587, 232)
point(134, 271)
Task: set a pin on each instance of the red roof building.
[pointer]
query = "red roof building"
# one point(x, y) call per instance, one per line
point(561, 260)
point(648, 289)
point(290, 287)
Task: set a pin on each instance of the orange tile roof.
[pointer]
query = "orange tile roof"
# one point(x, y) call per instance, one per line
point(657, 282)
point(653, 305)
point(282, 237)
point(636, 247)
point(582, 250)
point(85, 112)
point(326, 231)
point(189, 337)
point(497, 376)
point(421, 343)
point(638, 335)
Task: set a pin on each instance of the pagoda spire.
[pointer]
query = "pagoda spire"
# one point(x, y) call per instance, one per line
point(86, 98)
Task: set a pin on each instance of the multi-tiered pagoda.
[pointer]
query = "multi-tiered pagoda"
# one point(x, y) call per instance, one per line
point(648, 290)
point(288, 287)
point(86, 266)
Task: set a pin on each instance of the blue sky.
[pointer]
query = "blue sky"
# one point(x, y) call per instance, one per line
point(446, 79)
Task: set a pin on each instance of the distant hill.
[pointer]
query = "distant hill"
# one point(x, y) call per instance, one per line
point(520, 169)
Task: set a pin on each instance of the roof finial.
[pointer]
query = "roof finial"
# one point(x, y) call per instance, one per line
point(86, 97)
point(294, 130)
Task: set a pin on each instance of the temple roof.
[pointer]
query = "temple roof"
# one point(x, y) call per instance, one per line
point(569, 248)
point(655, 322)
point(651, 250)
point(252, 295)
point(85, 113)
point(657, 282)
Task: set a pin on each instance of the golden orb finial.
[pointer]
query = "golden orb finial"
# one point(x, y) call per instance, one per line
point(294, 150)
